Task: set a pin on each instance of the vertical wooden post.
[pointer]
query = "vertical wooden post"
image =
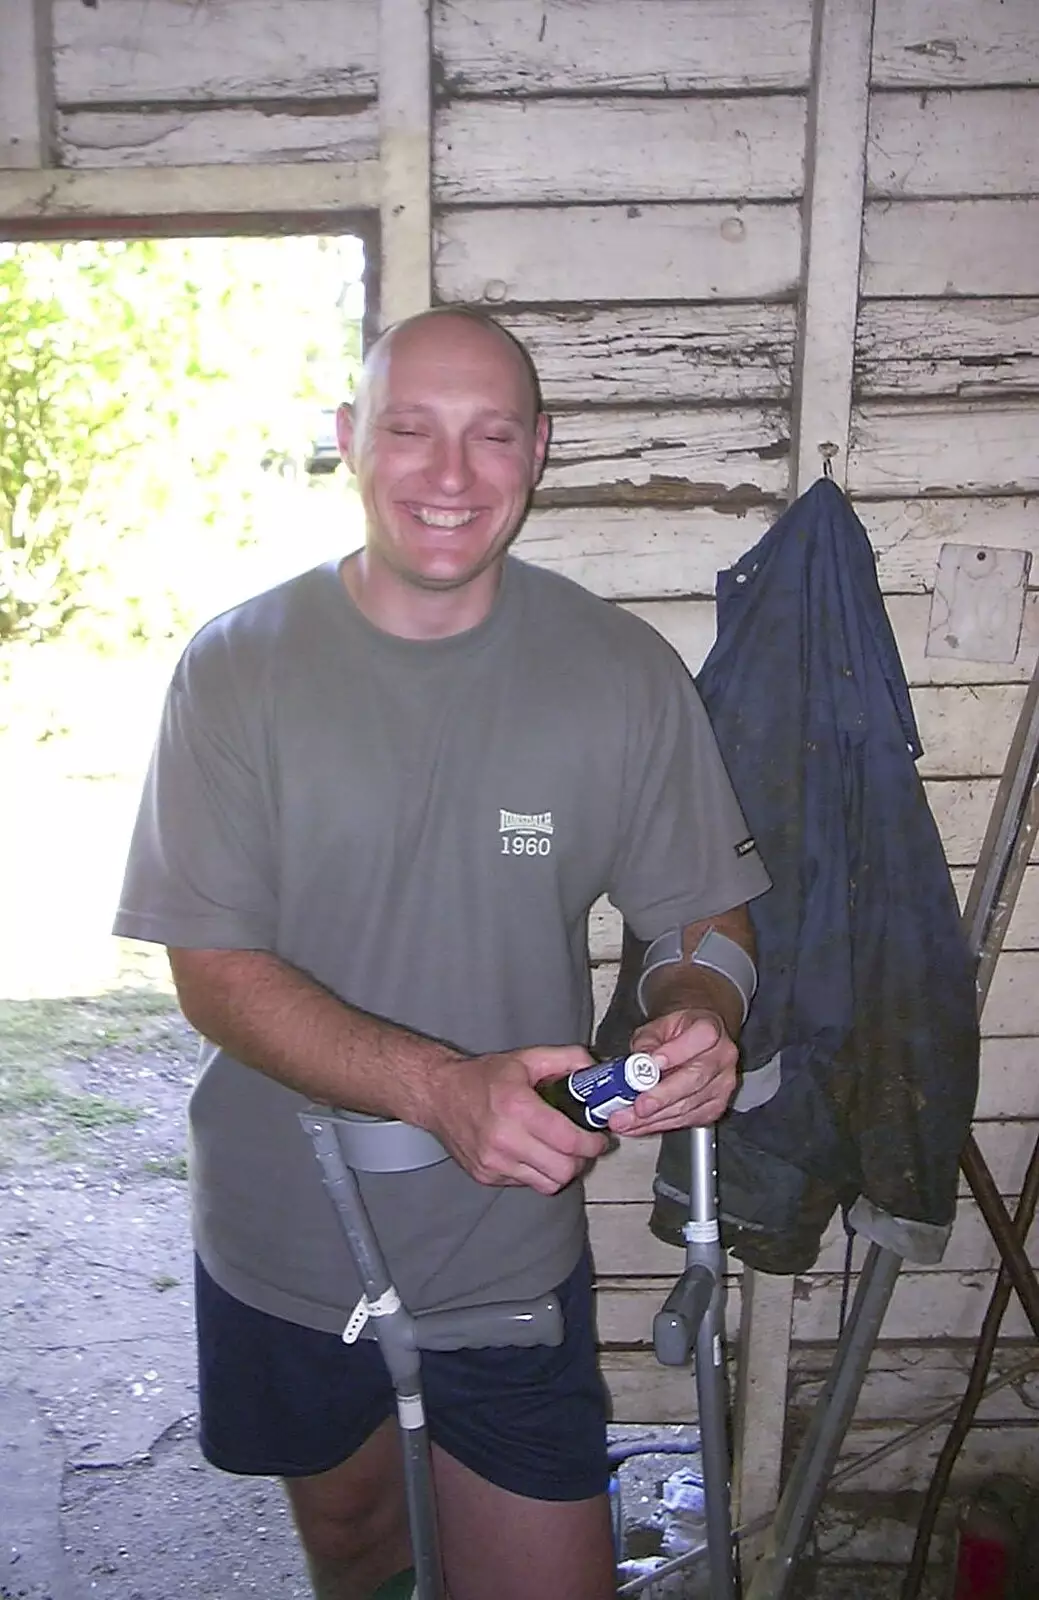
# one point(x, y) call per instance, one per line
point(26, 84)
point(835, 183)
point(405, 153)
point(835, 189)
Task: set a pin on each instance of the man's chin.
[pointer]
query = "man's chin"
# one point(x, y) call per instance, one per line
point(442, 577)
point(445, 582)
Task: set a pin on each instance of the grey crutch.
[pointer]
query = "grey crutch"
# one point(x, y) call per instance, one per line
point(692, 1319)
point(348, 1142)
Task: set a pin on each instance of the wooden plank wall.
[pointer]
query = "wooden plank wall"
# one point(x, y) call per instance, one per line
point(622, 182)
point(624, 190)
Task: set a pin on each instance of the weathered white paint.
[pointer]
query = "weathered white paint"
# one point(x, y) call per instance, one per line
point(656, 353)
point(930, 42)
point(494, 152)
point(622, 1244)
point(26, 88)
point(977, 608)
point(134, 51)
point(988, 1448)
point(966, 732)
point(910, 619)
point(950, 347)
point(838, 105)
point(405, 159)
point(658, 552)
point(631, 553)
point(950, 247)
point(1022, 934)
point(905, 1384)
point(632, 46)
point(184, 137)
point(673, 454)
point(973, 448)
point(634, 252)
point(626, 1174)
point(604, 943)
point(971, 1247)
point(642, 1391)
point(1012, 1007)
point(937, 1305)
point(1008, 1086)
point(961, 808)
point(297, 188)
point(908, 534)
point(952, 143)
point(689, 625)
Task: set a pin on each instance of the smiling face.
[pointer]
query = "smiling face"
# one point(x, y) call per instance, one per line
point(446, 444)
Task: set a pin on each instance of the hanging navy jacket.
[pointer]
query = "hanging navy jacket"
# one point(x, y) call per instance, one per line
point(860, 1054)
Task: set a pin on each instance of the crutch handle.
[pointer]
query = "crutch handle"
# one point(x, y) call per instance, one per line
point(510, 1322)
point(676, 1323)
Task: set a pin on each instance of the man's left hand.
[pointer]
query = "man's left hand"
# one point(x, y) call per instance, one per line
point(698, 1073)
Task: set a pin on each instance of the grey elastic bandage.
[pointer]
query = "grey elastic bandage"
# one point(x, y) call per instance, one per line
point(715, 951)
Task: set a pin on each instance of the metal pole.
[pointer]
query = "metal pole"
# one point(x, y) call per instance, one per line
point(703, 1248)
point(396, 1335)
point(691, 1319)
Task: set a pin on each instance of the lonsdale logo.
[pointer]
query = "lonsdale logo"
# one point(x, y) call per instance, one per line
point(525, 822)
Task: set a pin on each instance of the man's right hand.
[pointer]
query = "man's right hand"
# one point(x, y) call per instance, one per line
point(488, 1117)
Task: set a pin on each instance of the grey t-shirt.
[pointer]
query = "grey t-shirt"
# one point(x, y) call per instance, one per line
point(422, 826)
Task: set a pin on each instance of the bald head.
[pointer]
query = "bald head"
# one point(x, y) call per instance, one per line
point(445, 335)
point(447, 441)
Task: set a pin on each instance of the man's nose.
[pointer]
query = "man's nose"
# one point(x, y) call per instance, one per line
point(452, 469)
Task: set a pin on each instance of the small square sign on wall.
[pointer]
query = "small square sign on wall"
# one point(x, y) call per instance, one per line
point(978, 603)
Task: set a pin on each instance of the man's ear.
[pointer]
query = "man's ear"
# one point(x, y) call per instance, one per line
point(346, 432)
point(542, 434)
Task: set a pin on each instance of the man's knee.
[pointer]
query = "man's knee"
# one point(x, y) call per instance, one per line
point(351, 1532)
point(352, 1521)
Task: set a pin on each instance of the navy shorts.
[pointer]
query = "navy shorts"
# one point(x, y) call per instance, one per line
point(280, 1400)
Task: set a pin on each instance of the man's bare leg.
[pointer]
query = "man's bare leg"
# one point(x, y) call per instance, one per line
point(502, 1545)
point(352, 1521)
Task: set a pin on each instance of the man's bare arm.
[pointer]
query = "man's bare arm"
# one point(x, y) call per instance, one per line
point(274, 1017)
point(695, 1016)
point(683, 987)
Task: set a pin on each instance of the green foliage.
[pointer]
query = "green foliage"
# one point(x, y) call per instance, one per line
point(142, 386)
point(40, 1040)
point(80, 362)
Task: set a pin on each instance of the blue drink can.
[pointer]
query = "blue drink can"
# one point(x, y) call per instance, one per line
point(608, 1086)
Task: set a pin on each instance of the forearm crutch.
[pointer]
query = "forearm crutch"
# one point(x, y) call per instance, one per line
point(346, 1143)
point(692, 1319)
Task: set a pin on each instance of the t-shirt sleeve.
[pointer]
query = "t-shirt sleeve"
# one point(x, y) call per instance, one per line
point(200, 868)
point(686, 850)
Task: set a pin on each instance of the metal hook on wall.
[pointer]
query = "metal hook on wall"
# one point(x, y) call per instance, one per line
point(828, 450)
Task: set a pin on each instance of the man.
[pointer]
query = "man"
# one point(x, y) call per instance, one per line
point(383, 799)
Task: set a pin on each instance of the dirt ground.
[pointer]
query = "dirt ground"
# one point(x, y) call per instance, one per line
point(102, 1488)
point(103, 1491)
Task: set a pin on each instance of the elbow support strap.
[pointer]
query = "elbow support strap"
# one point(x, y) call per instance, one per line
point(715, 951)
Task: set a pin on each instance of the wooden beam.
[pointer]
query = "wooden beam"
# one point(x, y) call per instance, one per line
point(838, 115)
point(405, 145)
point(26, 84)
point(291, 188)
point(835, 175)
